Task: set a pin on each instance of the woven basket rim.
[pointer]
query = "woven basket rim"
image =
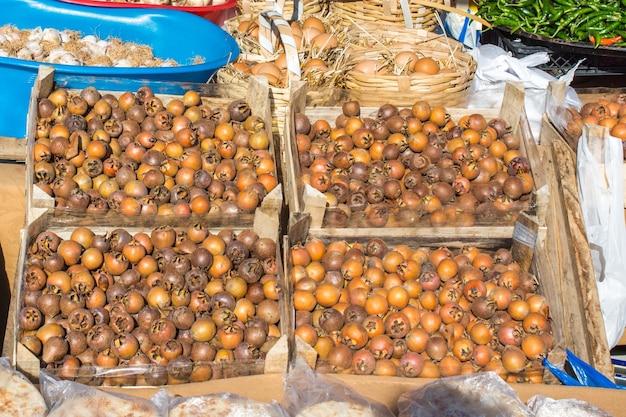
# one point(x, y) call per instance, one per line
point(378, 8)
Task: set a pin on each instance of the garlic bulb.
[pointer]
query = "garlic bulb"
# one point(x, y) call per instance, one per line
point(35, 35)
point(65, 37)
point(71, 48)
point(35, 47)
point(95, 49)
point(69, 59)
point(13, 36)
point(25, 53)
point(55, 55)
point(90, 39)
point(51, 35)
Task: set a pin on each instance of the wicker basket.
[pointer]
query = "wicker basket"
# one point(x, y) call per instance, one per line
point(250, 49)
point(404, 13)
point(289, 9)
point(320, 83)
point(448, 86)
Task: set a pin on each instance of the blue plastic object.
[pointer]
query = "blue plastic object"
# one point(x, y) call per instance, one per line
point(584, 375)
point(172, 34)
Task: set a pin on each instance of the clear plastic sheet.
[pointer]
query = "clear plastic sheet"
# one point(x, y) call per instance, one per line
point(18, 396)
point(73, 399)
point(600, 185)
point(543, 406)
point(311, 394)
point(223, 405)
point(484, 394)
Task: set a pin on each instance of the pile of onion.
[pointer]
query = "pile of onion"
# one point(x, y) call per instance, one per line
point(159, 307)
point(413, 166)
point(137, 154)
point(376, 309)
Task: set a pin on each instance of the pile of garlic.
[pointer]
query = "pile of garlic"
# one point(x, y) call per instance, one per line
point(71, 48)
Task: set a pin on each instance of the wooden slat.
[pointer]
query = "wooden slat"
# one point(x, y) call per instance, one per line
point(12, 149)
point(569, 256)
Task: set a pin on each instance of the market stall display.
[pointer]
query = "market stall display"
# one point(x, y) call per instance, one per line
point(292, 232)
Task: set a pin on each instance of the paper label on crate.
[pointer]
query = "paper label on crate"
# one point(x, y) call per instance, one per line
point(524, 235)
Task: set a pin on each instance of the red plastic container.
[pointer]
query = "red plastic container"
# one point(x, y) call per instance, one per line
point(216, 13)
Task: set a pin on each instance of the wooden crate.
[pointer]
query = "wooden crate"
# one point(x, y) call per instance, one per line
point(212, 96)
point(265, 225)
point(560, 151)
point(555, 100)
point(304, 198)
point(568, 256)
point(531, 254)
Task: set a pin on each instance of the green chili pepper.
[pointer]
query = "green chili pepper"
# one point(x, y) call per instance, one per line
point(566, 3)
point(568, 20)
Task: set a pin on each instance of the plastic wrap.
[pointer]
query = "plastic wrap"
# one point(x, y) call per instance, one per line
point(18, 396)
point(496, 67)
point(600, 184)
point(584, 375)
point(310, 394)
point(223, 405)
point(73, 399)
point(483, 394)
point(543, 406)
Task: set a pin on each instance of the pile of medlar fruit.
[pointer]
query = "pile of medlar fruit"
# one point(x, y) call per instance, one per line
point(375, 309)
point(414, 166)
point(609, 112)
point(137, 154)
point(150, 308)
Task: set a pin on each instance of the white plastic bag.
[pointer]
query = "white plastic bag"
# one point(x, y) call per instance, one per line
point(600, 185)
point(496, 67)
point(463, 29)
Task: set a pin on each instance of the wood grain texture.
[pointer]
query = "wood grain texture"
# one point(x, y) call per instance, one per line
point(571, 256)
point(12, 149)
point(12, 207)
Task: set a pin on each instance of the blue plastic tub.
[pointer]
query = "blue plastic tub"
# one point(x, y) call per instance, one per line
point(217, 13)
point(172, 34)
